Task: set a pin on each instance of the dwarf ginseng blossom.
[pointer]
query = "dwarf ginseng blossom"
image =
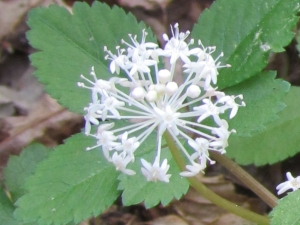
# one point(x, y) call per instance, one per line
point(152, 101)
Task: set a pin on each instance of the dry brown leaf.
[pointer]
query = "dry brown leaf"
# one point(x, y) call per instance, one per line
point(168, 220)
point(41, 119)
point(231, 219)
point(7, 107)
point(113, 217)
point(146, 4)
point(13, 16)
point(12, 13)
point(46, 122)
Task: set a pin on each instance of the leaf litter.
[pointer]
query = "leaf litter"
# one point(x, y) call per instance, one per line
point(27, 114)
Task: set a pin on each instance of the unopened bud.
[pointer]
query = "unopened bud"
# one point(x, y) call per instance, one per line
point(151, 96)
point(171, 88)
point(138, 93)
point(193, 91)
point(164, 76)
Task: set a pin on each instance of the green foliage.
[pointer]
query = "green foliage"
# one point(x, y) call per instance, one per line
point(262, 95)
point(137, 189)
point(243, 31)
point(298, 39)
point(71, 184)
point(70, 44)
point(6, 210)
point(19, 168)
point(277, 142)
point(86, 183)
point(287, 210)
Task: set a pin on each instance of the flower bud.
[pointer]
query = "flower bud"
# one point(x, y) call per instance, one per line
point(171, 88)
point(164, 76)
point(138, 93)
point(151, 96)
point(193, 91)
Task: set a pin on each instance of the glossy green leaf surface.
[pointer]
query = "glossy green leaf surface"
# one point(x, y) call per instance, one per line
point(6, 210)
point(263, 96)
point(70, 44)
point(287, 210)
point(246, 31)
point(19, 168)
point(70, 185)
point(277, 142)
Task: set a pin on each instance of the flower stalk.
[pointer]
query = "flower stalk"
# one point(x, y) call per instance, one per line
point(210, 195)
point(246, 179)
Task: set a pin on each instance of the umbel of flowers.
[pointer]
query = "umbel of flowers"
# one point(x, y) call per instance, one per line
point(151, 100)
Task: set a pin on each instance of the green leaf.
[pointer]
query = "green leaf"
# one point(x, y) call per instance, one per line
point(137, 189)
point(70, 44)
point(263, 96)
point(243, 31)
point(71, 184)
point(19, 168)
point(6, 210)
point(287, 210)
point(277, 142)
point(298, 39)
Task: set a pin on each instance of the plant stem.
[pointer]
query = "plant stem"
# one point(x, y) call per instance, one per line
point(246, 178)
point(210, 195)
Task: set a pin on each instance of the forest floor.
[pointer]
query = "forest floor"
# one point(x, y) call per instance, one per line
point(28, 114)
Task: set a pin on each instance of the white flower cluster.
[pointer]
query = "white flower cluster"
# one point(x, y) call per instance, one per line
point(152, 101)
point(291, 183)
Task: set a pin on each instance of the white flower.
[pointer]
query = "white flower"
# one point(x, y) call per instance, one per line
point(155, 172)
point(229, 103)
point(291, 183)
point(140, 54)
point(111, 104)
point(208, 109)
point(117, 62)
point(205, 68)
point(140, 63)
point(194, 169)
point(168, 119)
point(121, 161)
point(201, 147)
point(149, 100)
point(210, 71)
point(140, 48)
point(128, 145)
point(92, 116)
point(106, 139)
point(176, 47)
point(100, 86)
